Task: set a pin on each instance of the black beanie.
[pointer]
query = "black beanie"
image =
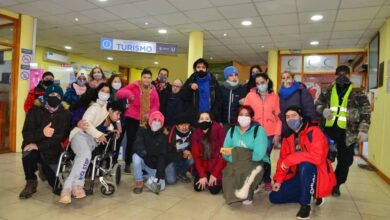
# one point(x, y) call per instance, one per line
point(47, 74)
point(183, 118)
point(343, 69)
point(295, 109)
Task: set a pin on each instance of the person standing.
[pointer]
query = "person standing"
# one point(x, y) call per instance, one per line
point(347, 114)
point(254, 70)
point(164, 89)
point(76, 89)
point(35, 95)
point(96, 77)
point(175, 104)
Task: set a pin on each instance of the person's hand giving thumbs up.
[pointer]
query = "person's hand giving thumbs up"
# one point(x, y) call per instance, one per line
point(48, 131)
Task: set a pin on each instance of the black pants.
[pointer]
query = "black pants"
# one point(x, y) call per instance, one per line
point(30, 161)
point(213, 189)
point(132, 126)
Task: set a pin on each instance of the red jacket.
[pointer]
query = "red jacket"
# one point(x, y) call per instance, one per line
point(216, 164)
point(134, 90)
point(33, 94)
point(314, 151)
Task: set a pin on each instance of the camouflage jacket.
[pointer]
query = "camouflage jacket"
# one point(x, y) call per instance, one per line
point(358, 112)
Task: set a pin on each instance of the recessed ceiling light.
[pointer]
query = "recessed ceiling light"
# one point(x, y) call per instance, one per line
point(76, 19)
point(102, 0)
point(211, 58)
point(68, 47)
point(314, 42)
point(155, 63)
point(316, 17)
point(246, 23)
point(146, 23)
point(110, 58)
point(162, 31)
point(262, 46)
point(11, 29)
point(224, 34)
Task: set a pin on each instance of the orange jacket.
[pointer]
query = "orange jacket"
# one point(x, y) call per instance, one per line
point(266, 111)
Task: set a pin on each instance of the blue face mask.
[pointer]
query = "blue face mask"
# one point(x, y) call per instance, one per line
point(294, 124)
point(262, 87)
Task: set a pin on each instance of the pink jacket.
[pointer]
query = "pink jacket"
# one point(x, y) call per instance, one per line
point(266, 111)
point(133, 90)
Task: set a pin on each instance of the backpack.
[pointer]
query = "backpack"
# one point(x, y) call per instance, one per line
point(332, 150)
point(254, 133)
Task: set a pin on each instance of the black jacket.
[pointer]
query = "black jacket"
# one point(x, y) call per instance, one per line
point(173, 154)
point(37, 119)
point(191, 97)
point(175, 106)
point(163, 97)
point(230, 102)
point(152, 148)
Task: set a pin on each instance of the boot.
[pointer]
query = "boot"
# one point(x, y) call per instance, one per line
point(29, 189)
point(139, 185)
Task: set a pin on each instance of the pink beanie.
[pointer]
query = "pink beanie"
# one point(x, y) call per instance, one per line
point(156, 115)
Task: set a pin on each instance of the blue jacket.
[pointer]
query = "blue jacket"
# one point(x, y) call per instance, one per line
point(230, 102)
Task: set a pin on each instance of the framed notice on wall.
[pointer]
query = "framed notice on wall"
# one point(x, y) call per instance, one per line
point(320, 63)
point(373, 63)
point(292, 64)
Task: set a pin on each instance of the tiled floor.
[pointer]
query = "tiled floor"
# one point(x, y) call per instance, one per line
point(365, 196)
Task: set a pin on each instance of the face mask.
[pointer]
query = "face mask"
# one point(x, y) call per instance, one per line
point(103, 96)
point(116, 86)
point(262, 87)
point(97, 76)
point(204, 125)
point(253, 75)
point(244, 121)
point(47, 82)
point(81, 82)
point(342, 80)
point(53, 101)
point(156, 125)
point(294, 124)
point(162, 79)
point(232, 83)
point(287, 83)
point(202, 74)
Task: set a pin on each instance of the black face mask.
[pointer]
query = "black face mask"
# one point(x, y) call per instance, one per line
point(342, 80)
point(204, 125)
point(53, 101)
point(202, 74)
point(47, 82)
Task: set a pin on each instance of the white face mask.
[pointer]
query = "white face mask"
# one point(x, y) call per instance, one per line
point(244, 121)
point(232, 83)
point(156, 125)
point(103, 96)
point(116, 86)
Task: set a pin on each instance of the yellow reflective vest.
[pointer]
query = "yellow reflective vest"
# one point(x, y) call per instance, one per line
point(339, 111)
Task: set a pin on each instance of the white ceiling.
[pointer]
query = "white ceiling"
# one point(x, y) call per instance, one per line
point(283, 24)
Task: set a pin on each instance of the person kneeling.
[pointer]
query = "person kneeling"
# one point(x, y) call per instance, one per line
point(303, 168)
point(150, 149)
point(43, 131)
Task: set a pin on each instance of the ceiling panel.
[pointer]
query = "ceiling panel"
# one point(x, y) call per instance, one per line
point(201, 15)
point(276, 7)
point(228, 2)
point(288, 29)
point(357, 13)
point(251, 32)
point(320, 27)
point(329, 16)
point(238, 11)
point(156, 7)
point(173, 19)
point(283, 19)
point(126, 11)
point(99, 14)
point(315, 5)
point(185, 5)
point(256, 22)
point(360, 3)
point(216, 25)
point(351, 25)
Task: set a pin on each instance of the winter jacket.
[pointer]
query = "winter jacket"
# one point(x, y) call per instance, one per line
point(37, 119)
point(302, 98)
point(230, 102)
point(258, 145)
point(174, 153)
point(70, 95)
point(358, 111)
point(266, 111)
point(163, 97)
point(191, 97)
point(175, 106)
point(215, 165)
point(242, 176)
point(152, 147)
point(133, 90)
point(34, 95)
point(314, 149)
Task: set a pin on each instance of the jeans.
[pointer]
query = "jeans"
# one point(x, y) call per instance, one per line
point(299, 189)
point(267, 166)
point(180, 166)
point(30, 161)
point(139, 165)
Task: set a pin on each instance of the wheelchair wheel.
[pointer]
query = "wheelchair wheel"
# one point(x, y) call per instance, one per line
point(110, 191)
point(117, 174)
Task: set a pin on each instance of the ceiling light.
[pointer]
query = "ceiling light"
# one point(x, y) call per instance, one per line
point(224, 34)
point(76, 19)
point(68, 47)
point(316, 17)
point(262, 46)
point(110, 58)
point(246, 23)
point(162, 31)
point(102, 0)
point(146, 23)
point(314, 42)
point(155, 63)
point(211, 58)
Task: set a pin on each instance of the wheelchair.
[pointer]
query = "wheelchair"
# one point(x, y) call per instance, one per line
point(102, 167)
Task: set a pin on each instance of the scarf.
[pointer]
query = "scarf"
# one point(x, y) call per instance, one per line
point(160, 85)
point(79, 89)
point(230, 87)
point(285, 93)
point(145, 103)
point(204, 93)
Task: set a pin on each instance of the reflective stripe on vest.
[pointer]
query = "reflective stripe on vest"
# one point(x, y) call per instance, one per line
point(339, 111)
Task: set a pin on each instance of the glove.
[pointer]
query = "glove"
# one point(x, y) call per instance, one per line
point(362, 136)
point(327, 113)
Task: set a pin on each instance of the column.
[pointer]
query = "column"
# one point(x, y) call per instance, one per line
point(273, 67)
point(195, 49)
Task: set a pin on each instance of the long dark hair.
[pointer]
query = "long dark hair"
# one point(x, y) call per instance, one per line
point(266, 77)
point(112, 77)
point(206, 141)
point(101, 70)
point(252, 80)
point(91, 95)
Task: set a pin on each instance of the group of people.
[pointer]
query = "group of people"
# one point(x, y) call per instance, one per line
point(222, 135)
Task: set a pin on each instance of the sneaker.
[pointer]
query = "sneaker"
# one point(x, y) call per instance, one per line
point(127, 168)
point(184, 178)
point(304, 212)
point(247, 202)
point(256, 190)
point(78, 192)
point(336, 191)
point(319, 202)
point(267, 186)
point(153, 186)
point(66, 196)
point(29, 189)
point(138, 188)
